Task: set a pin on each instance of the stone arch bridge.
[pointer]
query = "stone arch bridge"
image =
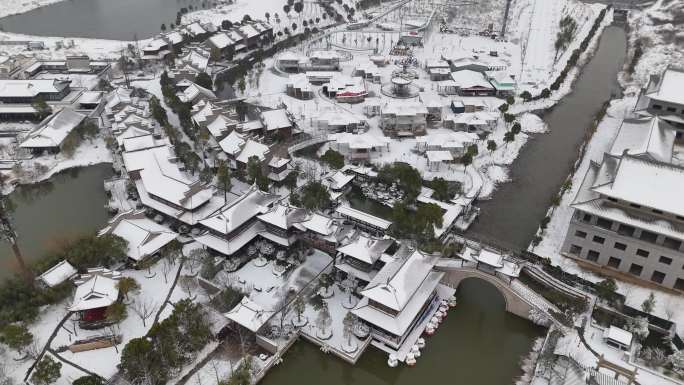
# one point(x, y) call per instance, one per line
point(520, 300)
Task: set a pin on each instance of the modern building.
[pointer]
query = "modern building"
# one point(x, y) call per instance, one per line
point(628, 216)
point(403, 118)
point(472, 83)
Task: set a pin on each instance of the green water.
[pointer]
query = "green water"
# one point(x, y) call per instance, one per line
point(478, 344)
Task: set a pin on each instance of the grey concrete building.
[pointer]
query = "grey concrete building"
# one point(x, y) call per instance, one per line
point(629, 212)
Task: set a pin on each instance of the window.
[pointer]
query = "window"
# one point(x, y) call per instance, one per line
point(586, 218)
point(642, 253)
point(679, 284)
point(657, 277)
point(613, 200)
point(657, 211)
point(671, 109)
point(636, 269)
point(657, 107)
point(593, 255)
point(673, 244)
point(620, 246)
point(599, 240)
point(580, 234)
point(614, 262)
point(636, 206)
point(575, 250)
point(604, 223)
point(626, 230)
point(648, 236)
point(665, 260)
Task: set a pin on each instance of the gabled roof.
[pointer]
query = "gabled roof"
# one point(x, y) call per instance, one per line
point(650, 137)
point(399, 280)
point(57, 274)
point(276, 119)
point(144, 236)
point(670, 87)
point(249, 314)
point(31, 88)
point(53, 130)
point(470, 79)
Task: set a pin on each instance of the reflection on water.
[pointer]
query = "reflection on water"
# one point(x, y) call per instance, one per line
point(478, 344)
point(46, 214)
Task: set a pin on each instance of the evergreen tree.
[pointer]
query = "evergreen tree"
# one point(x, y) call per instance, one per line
point(47, 371)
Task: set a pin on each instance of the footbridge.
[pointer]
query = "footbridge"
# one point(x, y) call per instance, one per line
point(520, 300)
point(318, 139)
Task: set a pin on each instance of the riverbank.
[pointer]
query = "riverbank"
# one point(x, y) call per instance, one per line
point(89, 153)
point(16, 7)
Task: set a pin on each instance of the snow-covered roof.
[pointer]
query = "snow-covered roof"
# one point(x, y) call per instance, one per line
point(366, 248)
point(195, 29)
point(277, 162)
point(283, 215)
point(320, 224)
point(31, 87)
point(324, 55)
point(53, 131)
point(439, 156)
point(251, 204)
point(299, 81)
point(219, 125)
point(57, 274)
point(233, 143)
point(360, 141)
point(250, 149)
point(141, 142)
point(338, 180)
point(289, 56)
point(221, 40)
point(90, 97)
point(194, 91)
point(276, 119)
point(490, 257)
point(650, 137)
point(399, 325)
point(399, 280)
point(144, 236)
point(619, 335)
point(647, 183)
point(431, 99)
point(404, 108)
point(249, 31)
point(97, 292)
point(470, 79)
point(670, 87)
point(363, 217)
point(249, 314)
point(174, 37)
point(162, 177)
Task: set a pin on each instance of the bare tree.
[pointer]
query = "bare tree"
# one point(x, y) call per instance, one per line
point(188, 284)
point(144, 308)
point(167, 266)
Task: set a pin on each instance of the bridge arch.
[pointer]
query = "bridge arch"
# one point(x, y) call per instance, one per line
point(515, 304)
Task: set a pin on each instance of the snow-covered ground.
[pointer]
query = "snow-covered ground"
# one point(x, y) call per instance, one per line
point(14, 7)
point(660, 28)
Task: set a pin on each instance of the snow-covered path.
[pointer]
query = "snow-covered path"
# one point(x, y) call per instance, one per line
point(538, 59)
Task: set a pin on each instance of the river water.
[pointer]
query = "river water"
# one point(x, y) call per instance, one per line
point(102, 19)
point(512, 216)
point(70, 204)
point(478, 344)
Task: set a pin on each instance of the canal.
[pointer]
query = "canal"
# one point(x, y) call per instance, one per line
point(69, 205)
point(479, 343)
point(512, 216)
point(102, 19)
